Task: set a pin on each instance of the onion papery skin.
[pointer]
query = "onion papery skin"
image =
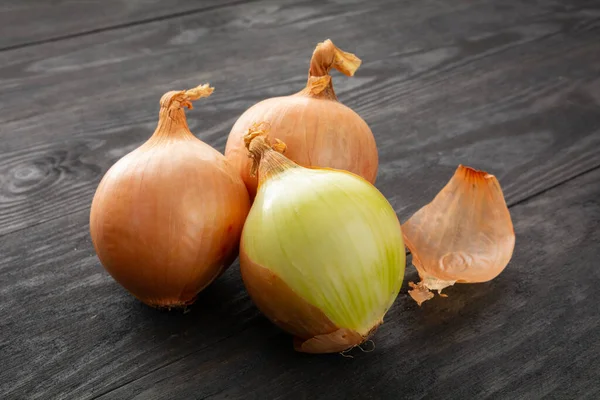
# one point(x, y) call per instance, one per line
point(166, 218)
point(465, 235)
point(319, 130)
point(322, 256)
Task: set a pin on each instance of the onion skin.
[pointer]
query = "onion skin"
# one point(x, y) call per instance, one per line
point(465, 235)
point(321, 253)
point(167, 217)
point(318, 130)
point(313, 331)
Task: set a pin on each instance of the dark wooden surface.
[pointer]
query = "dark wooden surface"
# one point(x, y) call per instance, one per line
point(512, 87)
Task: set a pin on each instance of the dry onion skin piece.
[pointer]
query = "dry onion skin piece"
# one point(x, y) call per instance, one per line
point(319, 130)
point(465, 235)
point(167, 217)
point(321, 253)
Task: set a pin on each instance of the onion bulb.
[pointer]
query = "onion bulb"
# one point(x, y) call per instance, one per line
point(166, 218)
point(465, 235)
point(319, 130)
point(321, 252)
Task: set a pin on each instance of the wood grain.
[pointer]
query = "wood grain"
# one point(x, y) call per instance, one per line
point(34, 22)
point(69, 331)
point(511, 87)
point(512, 90)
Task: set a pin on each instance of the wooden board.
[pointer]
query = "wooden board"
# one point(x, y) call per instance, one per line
point(34, 22)
point(70, 331)
point(512, 90)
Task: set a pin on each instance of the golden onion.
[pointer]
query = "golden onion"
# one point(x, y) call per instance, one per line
point(167, 217)
point(319, 130)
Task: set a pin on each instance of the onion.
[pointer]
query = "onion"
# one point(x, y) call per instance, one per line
point(465, 235)
point(167, 217)
point(319, 130)
point(321, 252)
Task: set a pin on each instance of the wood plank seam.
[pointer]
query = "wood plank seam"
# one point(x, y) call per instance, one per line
point(124, 25)
point(542, 191)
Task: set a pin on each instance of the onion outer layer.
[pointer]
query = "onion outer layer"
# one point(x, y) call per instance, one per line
point(465, 235)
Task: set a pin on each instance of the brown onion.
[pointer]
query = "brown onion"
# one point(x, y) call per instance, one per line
point(318, 130)
point(166, 218)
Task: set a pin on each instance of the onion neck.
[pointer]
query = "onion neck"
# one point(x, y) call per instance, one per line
point(272, 164)
point(172, 122)
point(267, 159)
point(325, 57)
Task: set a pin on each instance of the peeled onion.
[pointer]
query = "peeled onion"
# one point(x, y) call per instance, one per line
point(321, 252)
point(166, 218)
point(318, 129)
